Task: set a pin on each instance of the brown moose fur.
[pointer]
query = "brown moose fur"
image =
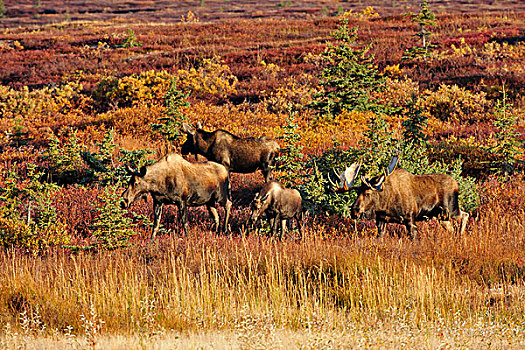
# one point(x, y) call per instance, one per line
point(279, 204)
point(239, 155)
point(174, 180)
point(406, 198)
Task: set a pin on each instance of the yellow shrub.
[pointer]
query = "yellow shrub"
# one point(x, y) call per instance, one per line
point(399, 91)
point(294, 93)
point(452, 103)
point(463, 49)
point(346, 128)
point(393, 71)
point(212, 77)
point(144, 88)
point(15, 232)
point(496, 51)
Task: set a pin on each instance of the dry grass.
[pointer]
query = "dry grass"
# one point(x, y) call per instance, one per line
point(381, 336)
point(255, 292)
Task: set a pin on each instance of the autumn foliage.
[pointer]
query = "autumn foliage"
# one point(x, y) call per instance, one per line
point(81, 99)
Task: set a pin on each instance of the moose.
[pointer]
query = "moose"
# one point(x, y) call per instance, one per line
point(279, 204)
point(239, 155)
point(174, 180)
point(400, 197)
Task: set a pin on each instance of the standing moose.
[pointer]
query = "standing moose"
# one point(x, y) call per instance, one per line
point(401, 197)
point(239, 155)
point(279, 204)
point(174, 180)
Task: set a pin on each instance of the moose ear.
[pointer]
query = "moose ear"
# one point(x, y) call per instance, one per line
point(143, 171)
point(188, 128)
point(265, 197)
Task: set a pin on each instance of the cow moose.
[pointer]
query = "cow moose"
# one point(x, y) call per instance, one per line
point(279, 204)
point(239, 155)
point(174, 180)
point(400, 197)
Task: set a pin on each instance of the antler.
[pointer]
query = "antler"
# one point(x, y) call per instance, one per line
point(386, 173)
point(346, 178)
point(392, 165)
point(129, 170)
point(366, 182)
point(351, 174)
point(330, 180)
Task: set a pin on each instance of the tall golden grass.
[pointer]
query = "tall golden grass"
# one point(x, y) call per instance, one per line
point(205, 282)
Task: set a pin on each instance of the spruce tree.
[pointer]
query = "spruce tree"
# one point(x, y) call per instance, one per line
point(414, 125)
point(424, 18)
point(509, 147)
point(170, 126)
point(349, 77)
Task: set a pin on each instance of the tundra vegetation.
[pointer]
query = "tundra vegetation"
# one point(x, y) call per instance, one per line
point(334, 83)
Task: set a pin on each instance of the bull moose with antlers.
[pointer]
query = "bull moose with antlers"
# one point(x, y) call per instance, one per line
point(401, 197)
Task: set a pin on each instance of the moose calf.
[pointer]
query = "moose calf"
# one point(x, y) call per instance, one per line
point(279, 204)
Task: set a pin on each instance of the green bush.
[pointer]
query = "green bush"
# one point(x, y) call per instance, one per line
point(108, 166)
point(112, 228)
point(290, 160)
point(424, 18)
point(64, 160)
point(67, 163)
point(508, 144)
point(28, 219)
point(317, 191)
point(3, 11)
point(170, 126)
point(130, 40)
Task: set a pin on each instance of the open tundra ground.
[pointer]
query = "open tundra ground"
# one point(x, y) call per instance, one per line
point(82, 84)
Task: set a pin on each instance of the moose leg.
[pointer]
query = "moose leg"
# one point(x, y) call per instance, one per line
point(157, 214)
point(462, 217)
point(276, 222)
point(214, 215)
point(283, 228)
point(271, 220)
point(227, 210)
point(298, 220)
point(447, 225)
point(380, 224)
point(267, 172)
point(183, 214)
point(411, 227)
point(463, 222)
